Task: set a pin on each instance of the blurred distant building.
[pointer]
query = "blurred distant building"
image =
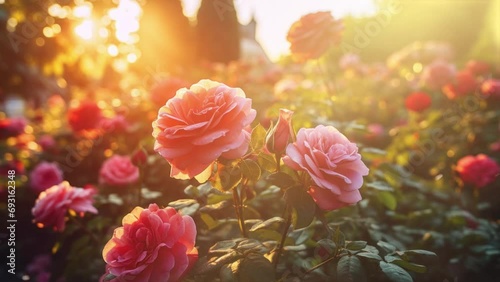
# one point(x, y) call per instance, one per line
point(250, 49)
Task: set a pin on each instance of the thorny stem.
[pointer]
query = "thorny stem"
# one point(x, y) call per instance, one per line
point(239, 212)
point(288, 221)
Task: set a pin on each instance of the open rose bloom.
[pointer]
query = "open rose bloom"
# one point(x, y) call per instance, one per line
point(153, 245)
point(332, 161)
point(201, 124)
point(478, 171)
point(54, 203)
point(45, 175)
point(118, 170)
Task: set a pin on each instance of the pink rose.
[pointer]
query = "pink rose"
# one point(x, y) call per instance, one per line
point(153, 245)
point(117, 123)
point(45, 175)
point(201, 124)
point(47, 142)
point(437, 74)
point(333, 163)
point(478, 171)
point(118, 170)
point(281, 134)
point(52, 205)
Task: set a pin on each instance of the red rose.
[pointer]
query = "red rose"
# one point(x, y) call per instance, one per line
point(312, 35)
point(478, 171)
point(52, 204)
point(153, 245)
point(201, 124)
point(418, 102)
point(465, 83)
point(118, 170)
point(86, 116)
point(491, 88)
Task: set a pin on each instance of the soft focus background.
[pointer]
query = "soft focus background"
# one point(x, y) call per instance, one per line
point(82, 81)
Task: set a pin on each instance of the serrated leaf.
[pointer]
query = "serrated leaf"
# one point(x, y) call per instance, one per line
point(215, 263)
point(387, 199)
point(224, 246)
point(370, 256)
point(208, 220)
point(250, 170)
point(256, 268)
point(418, 268)
point(267, 162)
point(226, 178)
point(380, 186)
point(215, 207)
point(281, 179)
point(395, 273)
point(303, 206)
point(258, 137)
point(356, 245)
point(185, 206)
point(272, 223)
point(350, 269)
point(388, 248)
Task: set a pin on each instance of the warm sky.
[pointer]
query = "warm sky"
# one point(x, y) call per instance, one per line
point(274, 17)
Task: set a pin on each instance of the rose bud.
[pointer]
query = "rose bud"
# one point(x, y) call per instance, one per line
point(281, 134)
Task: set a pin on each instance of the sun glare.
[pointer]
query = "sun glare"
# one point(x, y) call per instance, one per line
point(85, 29)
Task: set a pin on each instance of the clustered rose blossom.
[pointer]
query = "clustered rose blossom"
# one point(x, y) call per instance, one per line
point(478, 171)
point(333, 163)
point(437, 74)
point(53, 204)
point(463, 84)
point(45, 175)
point(118, 170)
point(153, 245)
point(418, 102)
point(312, 35)
point(85, 116)
point(281, 134)
point(201, 124)
point(165, 89)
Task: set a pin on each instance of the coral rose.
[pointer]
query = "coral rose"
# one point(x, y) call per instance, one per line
point(477, 67)
point(478, 171)
point(201, 124)
point(118, 170)
point(45, 175)
point(418, 102)
point(312, 35)
point(153, 245)
point(52, 204)
point(86, 116)
point(332, 161)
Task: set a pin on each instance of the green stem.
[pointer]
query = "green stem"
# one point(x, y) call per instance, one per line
point(239, 212)
point(278, 162)
point(320, 264)
point(288, 221)
point(84, 228)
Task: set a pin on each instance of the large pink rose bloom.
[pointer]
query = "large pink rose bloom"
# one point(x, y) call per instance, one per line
point(52, 205)
point(201, 124)
point(478, 171)
point(45, 175)
point(118, 170)
point(153, 245)
point(333, 163)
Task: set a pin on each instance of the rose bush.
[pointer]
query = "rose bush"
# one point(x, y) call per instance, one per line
point(152, 245)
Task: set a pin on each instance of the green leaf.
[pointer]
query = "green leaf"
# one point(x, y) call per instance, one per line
point(281, 179)
point(216, 263)
point(395, 273)
point(303, 206)
point(387, 199)
point(109, 277)
point(228, 272)
point(224, 246)
point(216, 207)
point(380, 186)
point(388, 248)
point(325, 248)
point(250, 170)
point(272, 223)
point(356, 245)
point(185, 206)
point(350, 269)
point(226, 177)
point(258, 137)
point(256, 268)
point(208, 220)
point(370, 256)
point(267, 162)
point(418, 268)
